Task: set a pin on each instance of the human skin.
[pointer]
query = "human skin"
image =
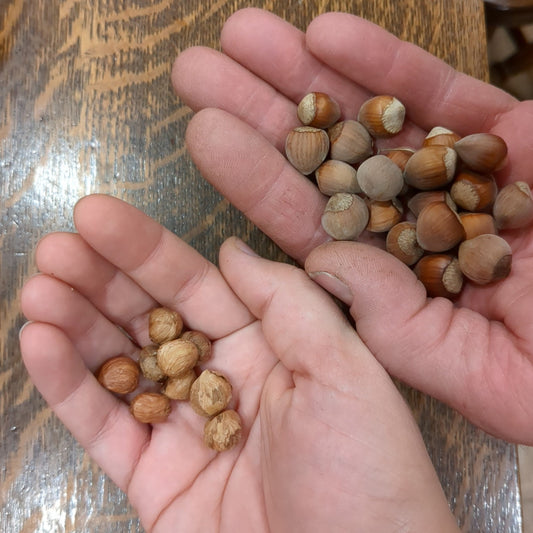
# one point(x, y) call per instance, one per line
point(475, 354)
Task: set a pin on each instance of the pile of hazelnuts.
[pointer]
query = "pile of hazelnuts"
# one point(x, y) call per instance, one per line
point(438, 206)
point(172, 363)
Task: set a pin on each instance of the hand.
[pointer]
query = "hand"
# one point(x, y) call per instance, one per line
point(328, 443)
point(476, 356)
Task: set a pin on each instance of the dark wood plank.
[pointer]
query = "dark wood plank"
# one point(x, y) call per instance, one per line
point(87, 106)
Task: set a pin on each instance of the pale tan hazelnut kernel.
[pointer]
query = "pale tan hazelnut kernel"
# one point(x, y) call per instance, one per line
point(119, 374)
point(179, 388)
point(164, 325)
point(148, 363)
point(150, 407)
point(202, 343)
point(177, 357)
point(224, 431)
point(210, 393)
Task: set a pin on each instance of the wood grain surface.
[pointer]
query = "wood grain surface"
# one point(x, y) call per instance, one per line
point(87, 106)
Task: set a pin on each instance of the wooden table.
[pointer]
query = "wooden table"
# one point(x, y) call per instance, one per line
point(86, 106)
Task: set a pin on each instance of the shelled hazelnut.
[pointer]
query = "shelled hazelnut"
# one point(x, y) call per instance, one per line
point(173, 364)
point(437, 205)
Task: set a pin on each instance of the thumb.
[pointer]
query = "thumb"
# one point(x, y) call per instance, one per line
point(451, 353)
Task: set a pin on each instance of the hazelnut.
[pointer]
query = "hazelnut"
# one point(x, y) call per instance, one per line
point(318, 110)
point(177, 357)
point(399, 155)
point(164, 325)
point(383, 215)
point(119, 374)
point(485, 258)
point(473, 192)
point(210, 393)
point(306, 148)
point(202, 342)
point(380, 178)
point(482, 152)
point(439, 228)
point(150, 407)
point(350, 142)
point(179, 388)
point(513, 207)
point(345, 216)
point(382, 115)
point(431, 167)
point(440, 274)
point(421, 199)
point(148, 363)
point(224, 431)
point(335, 176)
point(477, 224)
point(441, 136)
point(401, 243)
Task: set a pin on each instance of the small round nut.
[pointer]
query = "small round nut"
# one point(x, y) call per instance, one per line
point(383, 215)
point(179, 388)
point(380, 178)
point(318, 110)
point(345, 216)
point(485, 258)
point(399, 155)
point(421, 199)
point(439, 228)
point(431, 167)
point(401, 243)
point(119, 374)
point(177, 357)
point(150, 407)
point(482, 152)
point(164, 325)
point(382, 115)
point(472, 191)
point(350, 142)
point(477, 224)
point(306, 148)
point(148, 363)
point(513, 207)
point(224, 431)
point(442, 136)
point(334, 176)
point(202, 342)
point(210, 393)
point(440, 274)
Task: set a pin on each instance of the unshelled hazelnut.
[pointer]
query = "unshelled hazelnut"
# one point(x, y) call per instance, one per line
point(477, 224)
point(150, 407)
point(334, 176)
point(350, 142)
point(148, 363)
point(306, 148)
point(382, 115)
point(380, 178)
point(345, 216)
point(439, 228)
point(513, 207)
point(119, 374)
point(431, 167)
point(440, 274)
point(318, 110)
point(473, 191)
point(482, 152)
point(401, 243)
point(177, 357)
point(441, 136)
point(210, 393)
point(383, 215)
point(224, 431)
point(164, 325)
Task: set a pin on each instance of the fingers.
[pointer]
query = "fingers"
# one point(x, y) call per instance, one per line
point(159, 263)
point(100, 422)
point(454, 354)
point(258, 180)
point(433, 92)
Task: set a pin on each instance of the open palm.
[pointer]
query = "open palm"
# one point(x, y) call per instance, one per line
point(477, 355)
point(328, 443)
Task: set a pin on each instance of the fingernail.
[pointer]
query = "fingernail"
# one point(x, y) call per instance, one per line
point(333, 285)
point(23, 326)
point(243, 247)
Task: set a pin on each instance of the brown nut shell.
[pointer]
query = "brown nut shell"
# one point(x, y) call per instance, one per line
point(382, 115)
point(477, 224)
point(485, 258)
point(150, 407)
point(417, 202)
point(482, 152)
point(177, 357)
point(431, 167)
point(164, 325)
point(399, 155)
point(439, 228)
point(119, 374)
point(345, 216)
point(440, 274)
point(380, 178)
point(334, 176)
point(210, 393)
point(401, 243)
point(441, 136)
point(513, 207)
point(383, 215)
point(306, 148)
point(350, 142)
point(473, 192)
point(224, 431)
point(318, 110)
